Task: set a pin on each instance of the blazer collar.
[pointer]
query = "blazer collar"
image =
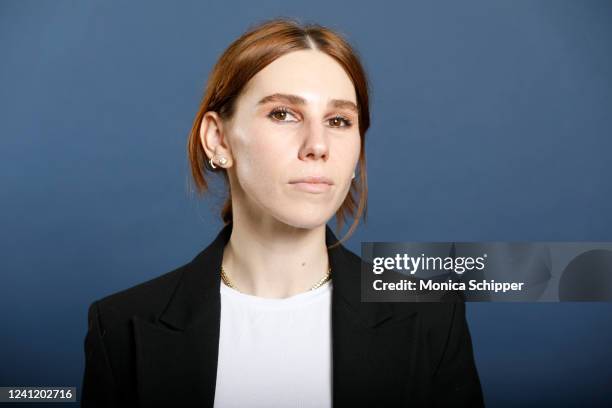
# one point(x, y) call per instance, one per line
point(197, 293)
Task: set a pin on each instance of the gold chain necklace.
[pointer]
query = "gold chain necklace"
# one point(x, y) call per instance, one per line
point(318, 284)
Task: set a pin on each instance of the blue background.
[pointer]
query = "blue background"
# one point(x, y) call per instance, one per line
point(490, 121)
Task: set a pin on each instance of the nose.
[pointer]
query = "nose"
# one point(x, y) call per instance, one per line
point(315, 145)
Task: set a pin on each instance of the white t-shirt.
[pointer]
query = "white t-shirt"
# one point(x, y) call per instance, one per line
point(275, 352)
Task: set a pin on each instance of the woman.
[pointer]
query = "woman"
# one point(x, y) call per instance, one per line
point(269, 314)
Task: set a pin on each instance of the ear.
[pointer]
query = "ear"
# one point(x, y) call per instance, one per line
point(214, 140)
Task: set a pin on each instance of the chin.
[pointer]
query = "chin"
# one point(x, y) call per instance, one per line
point(305, 219)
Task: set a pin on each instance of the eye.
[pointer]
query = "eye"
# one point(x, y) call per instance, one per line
point(337, 121)
point(280, 114)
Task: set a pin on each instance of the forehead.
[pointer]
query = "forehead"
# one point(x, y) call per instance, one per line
point(311, 74)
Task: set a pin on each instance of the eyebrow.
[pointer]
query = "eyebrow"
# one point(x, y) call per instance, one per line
point(298, 100)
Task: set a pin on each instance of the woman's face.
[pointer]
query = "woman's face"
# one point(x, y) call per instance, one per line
point(296, 118)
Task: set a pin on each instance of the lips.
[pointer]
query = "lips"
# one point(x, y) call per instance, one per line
point(312, 180)
point(312, 184)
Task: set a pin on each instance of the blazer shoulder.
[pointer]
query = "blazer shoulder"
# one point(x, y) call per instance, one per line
point(440, 319)
point(147, 299)
point(436, 318)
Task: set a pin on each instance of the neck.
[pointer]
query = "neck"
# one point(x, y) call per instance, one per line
point(270, 259)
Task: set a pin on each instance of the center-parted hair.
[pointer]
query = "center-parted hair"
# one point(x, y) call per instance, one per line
point(242, 60)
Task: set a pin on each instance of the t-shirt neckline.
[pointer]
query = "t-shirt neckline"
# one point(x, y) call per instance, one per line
point(296, 299)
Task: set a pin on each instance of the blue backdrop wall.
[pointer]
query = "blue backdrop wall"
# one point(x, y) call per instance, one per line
point(490, 121)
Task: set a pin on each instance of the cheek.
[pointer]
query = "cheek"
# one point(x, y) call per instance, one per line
point(257, 162)
point(352, 148)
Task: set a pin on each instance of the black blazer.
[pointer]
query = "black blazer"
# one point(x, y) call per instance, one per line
point(156, 344)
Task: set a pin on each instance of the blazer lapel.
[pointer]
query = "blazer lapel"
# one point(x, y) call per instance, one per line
point(176, 356)
point(370, 341)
